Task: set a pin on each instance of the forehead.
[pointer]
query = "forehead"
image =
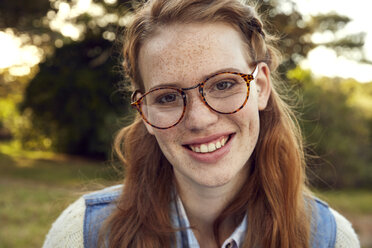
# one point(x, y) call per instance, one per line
point(188, 52)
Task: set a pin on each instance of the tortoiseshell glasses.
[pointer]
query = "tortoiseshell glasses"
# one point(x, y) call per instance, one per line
point(224, 93)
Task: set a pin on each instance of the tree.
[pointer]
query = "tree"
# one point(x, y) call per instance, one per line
point(62, 100)
point(295, 32)
point(74, 98)
point(82, 120)
point(336, 131)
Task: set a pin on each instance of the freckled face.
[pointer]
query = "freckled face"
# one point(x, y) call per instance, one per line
point(183, 55)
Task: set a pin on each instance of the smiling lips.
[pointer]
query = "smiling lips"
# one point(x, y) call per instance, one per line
point(209, 147)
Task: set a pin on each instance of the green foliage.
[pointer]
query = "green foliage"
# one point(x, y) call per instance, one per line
point(18, 126)
point(329, 22)
point(73, 100)
point(20, 14)
point(335, 130)
point(71, 105)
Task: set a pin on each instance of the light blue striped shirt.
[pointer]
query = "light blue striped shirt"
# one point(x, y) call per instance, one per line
point(186, 237)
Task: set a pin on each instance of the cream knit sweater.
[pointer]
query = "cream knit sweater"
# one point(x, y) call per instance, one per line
point(67, 230)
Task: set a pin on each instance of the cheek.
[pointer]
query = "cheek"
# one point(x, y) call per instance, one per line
point(167, 140)
point(248, 117)
point(162, 138)
point(249, 125)
point(254, 130)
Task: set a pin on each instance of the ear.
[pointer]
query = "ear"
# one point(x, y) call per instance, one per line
point(263, 85)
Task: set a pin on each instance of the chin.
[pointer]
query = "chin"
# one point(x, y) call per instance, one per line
point(216, 181)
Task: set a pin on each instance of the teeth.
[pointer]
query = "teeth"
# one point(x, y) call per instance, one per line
point(218, 145)
point(203, 148)
point(209, 147)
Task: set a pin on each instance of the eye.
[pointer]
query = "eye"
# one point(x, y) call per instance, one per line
point(223, 85)
point(166, 98)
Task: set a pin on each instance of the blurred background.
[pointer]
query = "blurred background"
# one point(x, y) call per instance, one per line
point(61, 104)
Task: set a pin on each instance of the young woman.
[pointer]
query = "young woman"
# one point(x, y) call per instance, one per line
point(214, 157)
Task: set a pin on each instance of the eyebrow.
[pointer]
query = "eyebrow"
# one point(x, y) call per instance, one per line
point(177, 85)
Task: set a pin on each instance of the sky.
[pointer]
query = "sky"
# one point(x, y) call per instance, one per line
point(321, 61)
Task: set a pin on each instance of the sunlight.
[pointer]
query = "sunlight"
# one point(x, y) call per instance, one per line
point(63, 10)
point(96, 10)
point(19, 70)
point(110, 1)
point(8, 47)
point(83, 5)
point(19, 58)
point(325, 62)
point(61, 21)
point(321, 61)
point(70, 30)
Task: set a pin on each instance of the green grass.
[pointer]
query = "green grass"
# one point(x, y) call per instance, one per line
point(348, 201)
point(35, 190)
point(27, 210)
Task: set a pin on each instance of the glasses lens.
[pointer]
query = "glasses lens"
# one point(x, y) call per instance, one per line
point(225, 92)
point(163, 107)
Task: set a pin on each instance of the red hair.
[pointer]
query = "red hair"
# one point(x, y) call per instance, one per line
point(275, 190)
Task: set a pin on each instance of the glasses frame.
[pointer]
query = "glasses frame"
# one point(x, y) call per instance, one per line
point(248, 78)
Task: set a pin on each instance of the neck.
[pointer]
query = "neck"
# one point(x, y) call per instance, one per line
point(203, 205)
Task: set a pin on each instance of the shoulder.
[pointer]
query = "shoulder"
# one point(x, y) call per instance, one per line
point(323, 224)
point(322, 214)
point(332, 227)
point(104, 196)
point(346, 236)
point(68, 229)
point(99, 206)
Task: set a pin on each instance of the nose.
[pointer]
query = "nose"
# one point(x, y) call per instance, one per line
point(198, 115)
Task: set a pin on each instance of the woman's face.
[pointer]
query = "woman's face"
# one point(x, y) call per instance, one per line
point(183, 55)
